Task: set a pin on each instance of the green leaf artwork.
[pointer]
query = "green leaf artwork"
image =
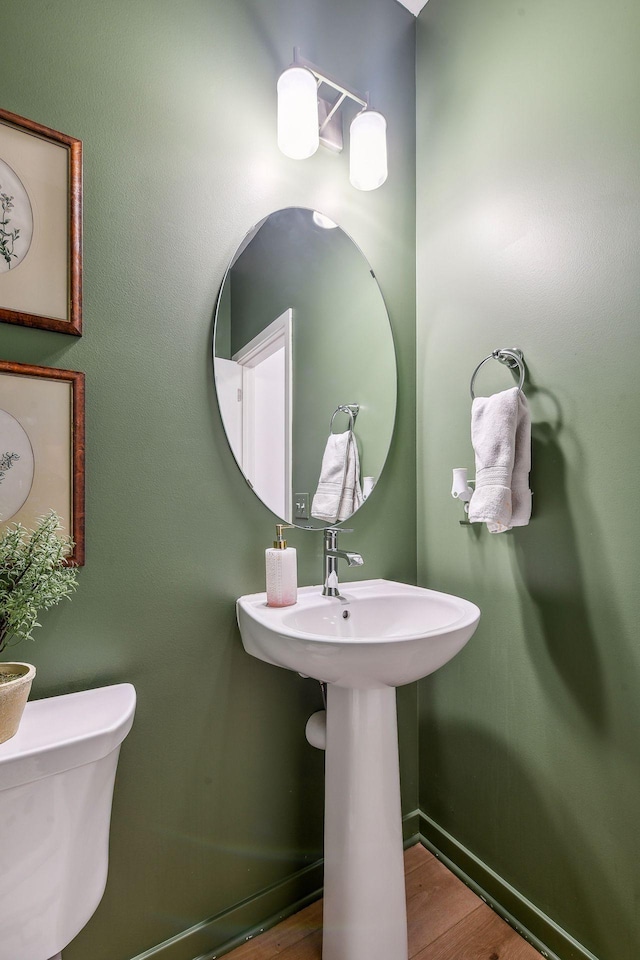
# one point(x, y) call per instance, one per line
point(33, 576)
point(7, 460)
point(7, 237)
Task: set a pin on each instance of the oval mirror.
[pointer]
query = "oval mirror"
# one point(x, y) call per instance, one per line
point(305, 368)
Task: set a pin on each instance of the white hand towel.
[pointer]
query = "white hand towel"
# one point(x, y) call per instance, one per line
point(501, 437)
point(338, 494)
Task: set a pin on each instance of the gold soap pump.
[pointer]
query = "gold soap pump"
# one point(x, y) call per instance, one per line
point(280, 543)
point(281, 567)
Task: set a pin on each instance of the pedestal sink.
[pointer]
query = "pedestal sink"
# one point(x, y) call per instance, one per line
point(376, 637)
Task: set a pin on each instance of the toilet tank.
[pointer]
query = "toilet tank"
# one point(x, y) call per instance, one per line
point(56, 786)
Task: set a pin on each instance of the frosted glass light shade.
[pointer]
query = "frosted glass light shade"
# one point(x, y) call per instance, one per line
point(298, 135)
point(368, 151)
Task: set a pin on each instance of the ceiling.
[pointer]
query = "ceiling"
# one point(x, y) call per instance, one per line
point(414, 5)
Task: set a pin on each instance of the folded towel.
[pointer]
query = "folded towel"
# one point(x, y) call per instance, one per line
point(338, 494)
point(501, 437)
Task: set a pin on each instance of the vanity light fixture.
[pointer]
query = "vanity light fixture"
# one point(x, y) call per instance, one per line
point(306, 119)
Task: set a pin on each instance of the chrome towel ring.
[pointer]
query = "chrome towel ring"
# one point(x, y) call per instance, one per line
point(511, 357)
point(351, 409)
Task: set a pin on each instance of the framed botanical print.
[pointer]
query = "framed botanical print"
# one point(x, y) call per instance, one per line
point(40, 226)
point(42, 448)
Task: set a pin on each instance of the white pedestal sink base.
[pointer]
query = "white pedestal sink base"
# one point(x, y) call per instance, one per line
point(364, 894)
point(378, 636)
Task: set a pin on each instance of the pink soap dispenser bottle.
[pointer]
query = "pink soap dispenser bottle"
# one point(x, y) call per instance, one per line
point(282, 571)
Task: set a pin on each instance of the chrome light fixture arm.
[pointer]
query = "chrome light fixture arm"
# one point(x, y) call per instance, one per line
point(321, 77)
point(330, 124)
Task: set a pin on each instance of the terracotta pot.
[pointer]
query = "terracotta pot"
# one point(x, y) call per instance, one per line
point(13, 697)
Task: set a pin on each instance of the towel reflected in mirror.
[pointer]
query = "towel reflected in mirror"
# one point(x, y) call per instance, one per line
point(339, 493)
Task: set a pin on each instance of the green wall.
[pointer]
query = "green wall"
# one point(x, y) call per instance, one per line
point(218, 795)
point(528, 186)
point(528, 234)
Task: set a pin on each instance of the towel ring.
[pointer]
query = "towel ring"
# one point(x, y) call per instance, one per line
point(511, 357)
point(351, 409)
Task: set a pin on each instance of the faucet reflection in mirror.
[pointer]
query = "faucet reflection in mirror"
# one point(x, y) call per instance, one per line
point(306, 119)
point(301, 327)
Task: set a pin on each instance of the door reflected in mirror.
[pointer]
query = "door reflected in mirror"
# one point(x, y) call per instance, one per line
point(305, 368)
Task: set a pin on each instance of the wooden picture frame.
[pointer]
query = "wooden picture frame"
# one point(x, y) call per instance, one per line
point(40, 226)
point(42, 448)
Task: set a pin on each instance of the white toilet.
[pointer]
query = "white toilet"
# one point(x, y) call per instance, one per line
point(56, 786)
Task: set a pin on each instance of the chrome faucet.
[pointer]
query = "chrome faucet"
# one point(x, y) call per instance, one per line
point(331, 556)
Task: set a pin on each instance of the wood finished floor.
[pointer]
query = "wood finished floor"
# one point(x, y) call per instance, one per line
point(446, 922)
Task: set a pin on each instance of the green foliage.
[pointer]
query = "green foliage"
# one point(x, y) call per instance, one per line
point(33, 576)
point(7, 237)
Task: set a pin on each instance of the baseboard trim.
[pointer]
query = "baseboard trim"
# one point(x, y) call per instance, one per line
point(222, 933)
point(219, 934)
point(531, 923)
point(411, 828)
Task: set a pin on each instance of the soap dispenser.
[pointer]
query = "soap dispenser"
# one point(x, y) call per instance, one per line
point(282, 571)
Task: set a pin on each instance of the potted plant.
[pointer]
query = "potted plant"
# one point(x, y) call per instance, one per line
point(33, 577)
